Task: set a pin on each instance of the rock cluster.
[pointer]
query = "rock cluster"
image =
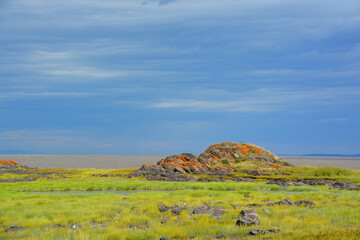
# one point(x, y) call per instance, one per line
point(261, 231)
point(14, 229)
point(331, 183)
point(287, 202)
point(26, 174)
point(215, 211)
point(215, 160)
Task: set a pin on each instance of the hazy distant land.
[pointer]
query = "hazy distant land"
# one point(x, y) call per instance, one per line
point(103, 161)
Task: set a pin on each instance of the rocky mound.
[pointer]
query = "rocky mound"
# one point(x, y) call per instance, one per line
point(238, 151)
point(217, 158)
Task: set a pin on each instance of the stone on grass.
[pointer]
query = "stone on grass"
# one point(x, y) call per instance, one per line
point(220, 236)
point(257, 231)
point(163, 208)
point(14, 228)
point(304, 203)
point(267, 211)
point(249, 217)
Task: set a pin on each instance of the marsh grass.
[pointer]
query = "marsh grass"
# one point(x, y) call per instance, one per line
point(49, 215)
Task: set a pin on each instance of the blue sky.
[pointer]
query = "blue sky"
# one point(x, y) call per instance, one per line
point(172, 76)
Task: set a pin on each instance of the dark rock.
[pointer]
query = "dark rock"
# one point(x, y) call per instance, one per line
point(163, 220)
point(244, 222)
point(163, 208)
point(280, 182)
point(203, 209)
point(164, 238)
point(285, 202)
point(220, 236)
point(215, 211)
point(261, 231)
point(176, 209)
point(254, 205)
point(218, 212)
point(257, 231)
point(133, 226)
point(304, 203)
point(342, 185)
point(14, 229)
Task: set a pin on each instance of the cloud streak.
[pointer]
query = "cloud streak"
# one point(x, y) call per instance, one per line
point(267, 100)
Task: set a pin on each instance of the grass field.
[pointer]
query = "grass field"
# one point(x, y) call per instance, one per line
point(135, 214)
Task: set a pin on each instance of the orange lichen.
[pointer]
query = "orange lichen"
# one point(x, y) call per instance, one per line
point(8, 162)
point(274, 165)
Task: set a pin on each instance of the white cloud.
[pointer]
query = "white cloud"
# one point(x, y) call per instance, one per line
point(266, 100)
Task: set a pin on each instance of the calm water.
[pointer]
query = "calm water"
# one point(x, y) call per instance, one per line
point(134, 161)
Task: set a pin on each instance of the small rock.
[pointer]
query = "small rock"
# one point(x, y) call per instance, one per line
point(163, 220)
point(257, 231)
point(163, 208)
point(14, 228)
point(221, 236)
point(124, 198)
point(285, 202)
point(176, 209)
point(274, 230)
point(267, 211)
point(164, 238)
point(304, 203)
point(254, 205)
point(244, 222)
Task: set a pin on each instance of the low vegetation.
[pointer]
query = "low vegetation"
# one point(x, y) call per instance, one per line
point(135, 215)
point(293, 202)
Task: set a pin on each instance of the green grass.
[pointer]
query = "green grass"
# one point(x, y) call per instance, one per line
point(49, 215)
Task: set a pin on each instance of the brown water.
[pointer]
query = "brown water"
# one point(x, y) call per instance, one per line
point(135, 161)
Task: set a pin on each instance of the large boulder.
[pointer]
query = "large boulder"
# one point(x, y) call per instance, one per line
point(218, 159)
point(220, 152)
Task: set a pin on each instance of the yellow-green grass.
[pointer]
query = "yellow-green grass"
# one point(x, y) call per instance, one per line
point(49, 215)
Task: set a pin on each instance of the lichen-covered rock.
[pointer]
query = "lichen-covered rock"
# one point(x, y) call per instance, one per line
point(183, 163)
point(218, 159)
point(229, 150)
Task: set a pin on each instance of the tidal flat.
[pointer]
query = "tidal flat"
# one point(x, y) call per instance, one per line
point(109, 215)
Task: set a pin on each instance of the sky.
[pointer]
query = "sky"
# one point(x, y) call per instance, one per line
point(173, 76)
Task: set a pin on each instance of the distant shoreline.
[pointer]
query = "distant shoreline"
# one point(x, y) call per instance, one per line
point(117, 161)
